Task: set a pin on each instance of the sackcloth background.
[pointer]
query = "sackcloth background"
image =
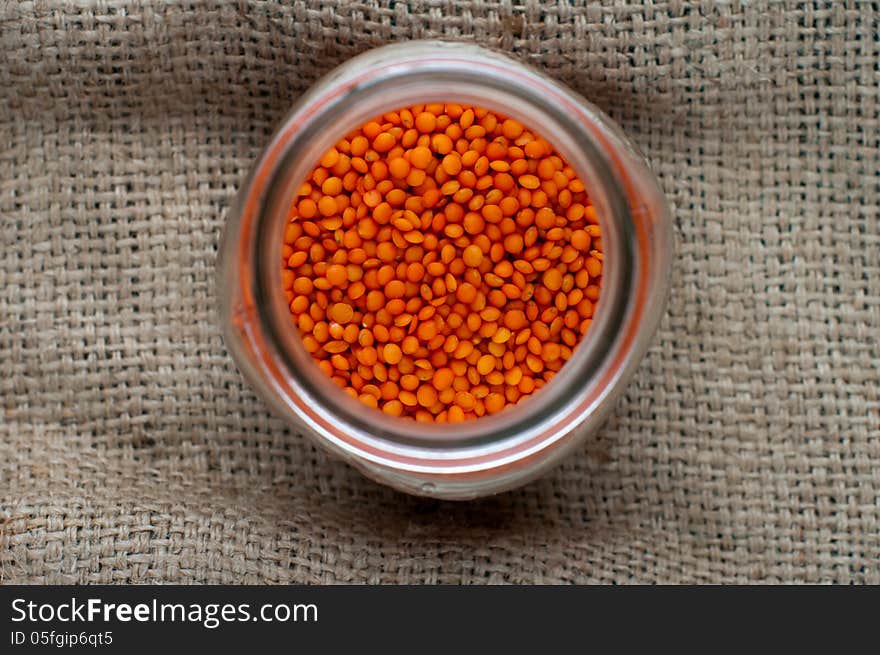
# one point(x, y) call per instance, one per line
point(746, 449)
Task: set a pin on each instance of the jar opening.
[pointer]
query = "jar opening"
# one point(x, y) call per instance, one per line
point(325, 115)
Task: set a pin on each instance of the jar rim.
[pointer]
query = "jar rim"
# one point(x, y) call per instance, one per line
point(490, 441)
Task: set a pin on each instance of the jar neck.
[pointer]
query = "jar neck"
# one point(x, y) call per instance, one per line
point(388, 79)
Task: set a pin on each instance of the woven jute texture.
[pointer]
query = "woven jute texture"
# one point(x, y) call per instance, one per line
point(747, 448)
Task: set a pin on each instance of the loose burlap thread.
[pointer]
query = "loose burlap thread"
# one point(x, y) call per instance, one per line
point(747, 448)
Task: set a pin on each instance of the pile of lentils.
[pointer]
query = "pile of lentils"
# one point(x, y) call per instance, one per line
point(442, 262)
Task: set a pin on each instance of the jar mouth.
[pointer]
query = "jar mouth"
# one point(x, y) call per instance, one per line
point(442, 73)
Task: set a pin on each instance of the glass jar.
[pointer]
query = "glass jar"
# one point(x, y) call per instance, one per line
point(492, 453)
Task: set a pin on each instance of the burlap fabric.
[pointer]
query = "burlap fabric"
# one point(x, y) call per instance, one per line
point(746, 449)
